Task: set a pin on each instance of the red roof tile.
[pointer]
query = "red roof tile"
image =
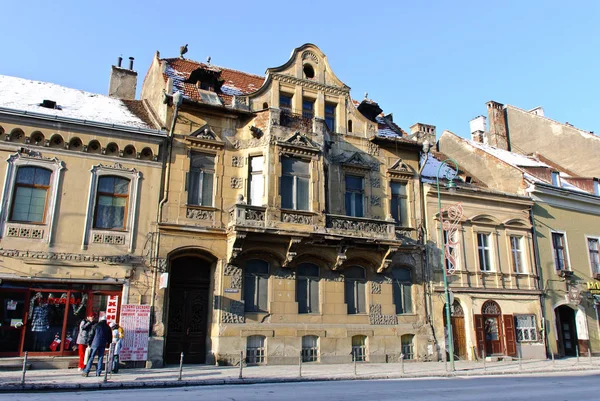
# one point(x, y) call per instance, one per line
point(236, 83)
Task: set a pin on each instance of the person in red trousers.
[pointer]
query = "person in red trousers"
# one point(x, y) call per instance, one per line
point(85, 328)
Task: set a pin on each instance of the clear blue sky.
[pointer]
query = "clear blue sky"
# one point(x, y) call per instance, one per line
point(435, 62)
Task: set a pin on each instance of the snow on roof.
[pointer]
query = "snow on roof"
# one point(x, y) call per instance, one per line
point(514, 159)
point(26, 95)
point(432, 166)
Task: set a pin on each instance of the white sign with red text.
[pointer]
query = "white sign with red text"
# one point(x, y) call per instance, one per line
point(112, 306)
point(135, 320)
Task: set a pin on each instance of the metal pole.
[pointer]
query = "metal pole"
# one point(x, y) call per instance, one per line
point(402, 363)
point(446, 359)
point(553, 361)
point(300, 365)
point(180, 367)
point(520, 360)
point(450, 345)
point(108, 362)
point(590, 355)
point(241, 364)
point(483, 357)
point(577, 352)
point(24, 367)
point(355, 362)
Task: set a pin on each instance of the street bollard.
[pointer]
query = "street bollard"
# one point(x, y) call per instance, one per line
point(484, 363)
point(553, 361)
point(354, 363)
point(577, 352)
point(590, 355)
point(520, 360)
point(24, 367)
point(446, 360)
point(180, 367)
point(108, 363)
point(241, 364)
point(300, 365)
point(402, 363)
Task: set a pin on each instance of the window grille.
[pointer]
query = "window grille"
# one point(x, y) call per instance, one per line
point(310, 348)
point(526, 328)
point(359, 349)
point(255, 350)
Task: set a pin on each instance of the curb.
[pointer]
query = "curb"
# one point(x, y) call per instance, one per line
point(67, 387)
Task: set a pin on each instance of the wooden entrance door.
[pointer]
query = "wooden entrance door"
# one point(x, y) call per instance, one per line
point(459, 336)
point(188, 310)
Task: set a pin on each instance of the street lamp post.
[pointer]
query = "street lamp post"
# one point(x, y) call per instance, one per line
point(450, 175)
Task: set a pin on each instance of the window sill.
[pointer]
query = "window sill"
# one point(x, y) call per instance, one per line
point(306, 212)
point(200, 207)
point(112, 230)
point(28, 223)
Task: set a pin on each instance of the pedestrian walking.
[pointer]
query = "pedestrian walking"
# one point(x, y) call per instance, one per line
point(100, 338)
point(118, 334)
point(85, 328)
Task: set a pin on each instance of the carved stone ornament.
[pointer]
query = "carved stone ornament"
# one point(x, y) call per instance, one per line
point(373, 149)
point(204, 132)
point(108, 238)
point(236, 246)
point(375, 287)
point(75, 257)
point(296, 218)
point(25, 232)
point(307, 54)
point(341, 257)
point(356, 160)
point(292, 251)
point(237, 182)
point(199, 214)
point(377, 317)
point(301, 144)
point(375, 182)
point(235, 314)
point(329, 89)
point(375, 201)
point(387, 259)
point(349, 224)
point(237, 161)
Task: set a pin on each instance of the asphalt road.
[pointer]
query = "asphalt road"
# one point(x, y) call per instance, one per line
point(570, 386)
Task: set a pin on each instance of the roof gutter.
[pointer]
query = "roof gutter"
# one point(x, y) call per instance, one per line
point(95, 124)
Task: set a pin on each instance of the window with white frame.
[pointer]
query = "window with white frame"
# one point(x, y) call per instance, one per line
point(399, 203)
point(256, 185)
point(355, 195)
point(30, 196)
point(310, 348)
point(355, 289)
point(593, 250)
point(295, 183)
point(201, 179)
point(484, 251)
point(112, 199)
point(256, 286)
point(307, 288)
point(559, 248)
point(255, 350)
point(516, 250)
point(525, 328)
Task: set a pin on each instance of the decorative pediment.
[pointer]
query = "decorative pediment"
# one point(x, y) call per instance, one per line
point(356, 160)
point(205, 137)
point(300, 143)
point(400, 169)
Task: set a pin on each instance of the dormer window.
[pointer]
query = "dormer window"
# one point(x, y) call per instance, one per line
point(556, 178)
point(309, 71)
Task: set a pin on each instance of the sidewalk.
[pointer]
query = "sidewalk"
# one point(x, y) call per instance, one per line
point(196, 375)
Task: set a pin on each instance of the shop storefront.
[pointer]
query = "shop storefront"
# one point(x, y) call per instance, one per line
point(42, 318)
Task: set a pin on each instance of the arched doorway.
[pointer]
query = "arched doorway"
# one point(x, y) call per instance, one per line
point(567, 330)
point(488, 328)
point(187, 323)
point(459, 337)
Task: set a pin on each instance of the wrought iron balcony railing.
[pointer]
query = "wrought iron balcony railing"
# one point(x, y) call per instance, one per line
point(301, 121)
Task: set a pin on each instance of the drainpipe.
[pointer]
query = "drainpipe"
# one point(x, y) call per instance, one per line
point(536, 254)
point(165, 180)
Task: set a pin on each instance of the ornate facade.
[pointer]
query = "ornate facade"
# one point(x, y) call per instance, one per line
point(289, 219)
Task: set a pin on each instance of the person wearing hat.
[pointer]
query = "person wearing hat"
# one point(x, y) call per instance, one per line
point(85, 328)
point(117, 339)
point(99, 339)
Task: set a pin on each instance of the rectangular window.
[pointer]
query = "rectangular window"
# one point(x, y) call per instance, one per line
point(285, 101)
point(308, 108)
point(330, 116)
point(525, 327)
point(356, 297)
point(355, 193)
point(257, 181)
point(450, 261)
point(30, 193)
point(255, 350)
point(399, 202)
point(201, 179)
point(256, 286)
point(111, 203)
point(402, 290)
point(594, 257)
point(295, 182)
point(310, 348)
point(517, 253)
point(560, 251)
point(483, 245)
point(308, 294)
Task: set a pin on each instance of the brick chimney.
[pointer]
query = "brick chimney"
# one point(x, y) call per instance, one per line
point(477, 128)
point(123, 81)
point(497, 135)
point(421, 132)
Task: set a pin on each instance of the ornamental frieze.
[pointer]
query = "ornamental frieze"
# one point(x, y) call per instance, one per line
point(199, 214)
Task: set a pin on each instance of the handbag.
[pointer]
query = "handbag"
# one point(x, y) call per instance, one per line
point(86, 358)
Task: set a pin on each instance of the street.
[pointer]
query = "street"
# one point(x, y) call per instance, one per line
point(570, 386)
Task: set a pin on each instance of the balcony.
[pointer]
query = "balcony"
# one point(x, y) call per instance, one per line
point(360, 227)
point(296, 121)
point(247, 216)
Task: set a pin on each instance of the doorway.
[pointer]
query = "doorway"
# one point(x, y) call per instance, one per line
point(567, 330)
point(188, 309)
point(459, 337)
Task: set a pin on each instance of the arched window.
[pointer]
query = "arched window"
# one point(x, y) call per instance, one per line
point(310, 348)
point(255, 350)
point(265, 105)
point(307, 288)
point(309, 71)
point(94, 147)
point(111, 203)
point(146, 154)
point(56, 141)
point(359, 348)
point(408, 346)
point(75, 144)
point(355, 290)
point(30, 194)
point(402, 289)
point(256, 285)
point(129, 152)
point(490, 308)
point(37, 138)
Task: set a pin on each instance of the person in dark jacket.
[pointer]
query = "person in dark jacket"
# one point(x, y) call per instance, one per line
point(85, 328)
point(99, 339)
